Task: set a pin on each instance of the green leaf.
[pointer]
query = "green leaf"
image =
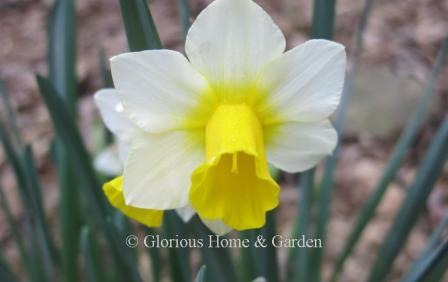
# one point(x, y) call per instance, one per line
point(6, 274)
point(34, 270)
point(95, 207)
point(322, 27)
point(154, 254)
point(11, 118)
point(301, 263)
point(179, 258)
point(200, 277)
point(218, 260)
point(70, 215)
point(413, 204)
point(323, 19)
point(32, 177)
point(62, 74)
point(62, 51)
point(38, 273)
point(258, 262)
point(267, 257)
point(184, 11)
point(106, 78)
point(17, 168)
point(140, 29)
point(68, 132)
point(274, 172)
point(394, 163)
point(123, 256)
point(434, 267)
point(123, 228)
point(48, 252)
point(437, 270)
point(14, 231)
point(433, 242)
point(248, 267)
point(122, 223)
point(93, 271)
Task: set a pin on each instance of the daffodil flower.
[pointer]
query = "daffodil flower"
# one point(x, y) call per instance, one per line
point(208, 125)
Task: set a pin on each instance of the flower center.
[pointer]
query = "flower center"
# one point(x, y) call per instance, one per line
point(234, 184)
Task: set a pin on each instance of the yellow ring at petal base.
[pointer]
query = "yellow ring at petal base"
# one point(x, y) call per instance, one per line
point(114, 193)
point(234, 184)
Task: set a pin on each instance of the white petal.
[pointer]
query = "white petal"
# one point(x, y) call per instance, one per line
point(108, 162)
point(159, 89)
point(305, 83)
point(123, 150)
point(231, 39)
point(159, 166)
point(185, 213)
point(217, 226)
point(295, 147)
point(111, 110)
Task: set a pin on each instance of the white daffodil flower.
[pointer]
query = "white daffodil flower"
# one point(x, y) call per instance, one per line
point(208, 125)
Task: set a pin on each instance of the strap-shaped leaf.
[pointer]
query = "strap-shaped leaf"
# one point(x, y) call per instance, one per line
point(34, 220)
point(107, 82)
point(301, 263)
point(322, 27)
point(11, 118)
point(6, 274)
point(184, 11)
point(68, 133)
point(140, 29)
point(154, 254)
point(434, 241)
point(394, 163)
point(323, 19)
point(413, 204)
point(17, 167)
point(70, 213)
point(179, 258)
point(62, 51)
point(260, 262)
point(436, 266)
point(219, 263)
point(48, 253)
point(62, 74)
point(93, 271)
point(15, 234)
point(200, 277)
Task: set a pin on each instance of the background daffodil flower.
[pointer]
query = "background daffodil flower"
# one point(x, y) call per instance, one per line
point(206, 126)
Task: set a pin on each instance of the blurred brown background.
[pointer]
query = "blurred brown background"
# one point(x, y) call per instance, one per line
point(401, 44)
